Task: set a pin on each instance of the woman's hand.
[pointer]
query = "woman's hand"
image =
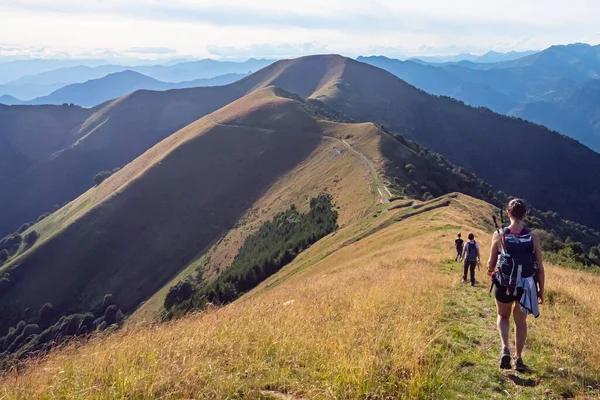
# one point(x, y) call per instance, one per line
point(540, 297)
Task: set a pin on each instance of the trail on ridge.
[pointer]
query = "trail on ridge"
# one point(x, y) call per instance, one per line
point(383, 191)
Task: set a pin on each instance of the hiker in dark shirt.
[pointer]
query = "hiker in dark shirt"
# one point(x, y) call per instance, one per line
point(470, 256)
point(459, 248)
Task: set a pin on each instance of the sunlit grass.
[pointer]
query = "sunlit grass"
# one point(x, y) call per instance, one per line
point(384, 317)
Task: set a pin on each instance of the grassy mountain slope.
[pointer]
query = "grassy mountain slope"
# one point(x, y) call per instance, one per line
point(29, 135)
point(114, 134)
point(123, 129)
point(470, 137)
point(133, 232)
point(229, 170)
point(379, 315)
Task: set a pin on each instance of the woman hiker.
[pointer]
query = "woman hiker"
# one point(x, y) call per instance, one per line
point(518, 282)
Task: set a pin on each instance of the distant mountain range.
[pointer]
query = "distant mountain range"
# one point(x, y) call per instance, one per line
point(556, 87)
point(96, 91)
point(9, 100)
point(28, 87)
point(489, 57)
point(11, 70)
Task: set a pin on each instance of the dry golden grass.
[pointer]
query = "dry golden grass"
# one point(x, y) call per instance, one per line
point(356, 323)
point(383, 317)
point(570, 327)
point(341, 336)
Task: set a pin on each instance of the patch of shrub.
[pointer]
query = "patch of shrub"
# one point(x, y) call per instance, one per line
point(107, 301)
point(427, 196)
point(178, 294)
point(43, 216)
point(275, 244)
point(101, 177)
point(31, 238)
point(10, 241)
point(3, 256)
point(52, 329)
point(46, 315)
point(120, 317)
point(4, 284)
point(110, 315)
point(24, 227)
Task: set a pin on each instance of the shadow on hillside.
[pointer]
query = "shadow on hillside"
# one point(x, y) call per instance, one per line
point(134, 243)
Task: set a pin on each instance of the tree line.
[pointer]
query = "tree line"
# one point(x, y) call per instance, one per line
point(49, 327)
point(274, 245)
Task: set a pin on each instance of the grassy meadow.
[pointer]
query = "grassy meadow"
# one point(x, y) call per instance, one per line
point(383, 317)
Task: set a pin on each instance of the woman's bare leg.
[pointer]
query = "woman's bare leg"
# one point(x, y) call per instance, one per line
point(503, 321)
point(520, 328)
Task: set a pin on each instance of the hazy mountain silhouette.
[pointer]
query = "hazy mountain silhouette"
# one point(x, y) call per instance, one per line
point(527, 87)
point(9, 100)
point(489, 57)
point(184, 71)
point(94, 92)
point(12, 70)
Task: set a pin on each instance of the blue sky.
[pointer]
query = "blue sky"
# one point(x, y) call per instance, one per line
point(267, 28)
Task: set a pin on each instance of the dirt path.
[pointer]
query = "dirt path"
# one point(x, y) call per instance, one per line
point(471, 345)
point(383, 191)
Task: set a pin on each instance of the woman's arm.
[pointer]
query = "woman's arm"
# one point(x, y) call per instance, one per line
point(493, 254)
point(541, 276)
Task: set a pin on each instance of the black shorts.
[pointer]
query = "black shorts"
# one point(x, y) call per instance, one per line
point(501, 295)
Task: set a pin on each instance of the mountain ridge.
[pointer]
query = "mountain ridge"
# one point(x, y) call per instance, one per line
point(513, 87)
point(97, 91)
point(114, 135)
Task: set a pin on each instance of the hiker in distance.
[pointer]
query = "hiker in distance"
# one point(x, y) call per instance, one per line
point(459, 248)
point(470, 258)
point(518, 281)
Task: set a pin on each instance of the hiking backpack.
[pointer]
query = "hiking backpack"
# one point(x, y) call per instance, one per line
point(516, 259)
point(471, 251)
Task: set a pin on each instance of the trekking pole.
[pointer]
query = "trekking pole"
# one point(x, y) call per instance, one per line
point(495, 221)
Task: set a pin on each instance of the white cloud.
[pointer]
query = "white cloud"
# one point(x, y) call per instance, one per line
point(284, 28)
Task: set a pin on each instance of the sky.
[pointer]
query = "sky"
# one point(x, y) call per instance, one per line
point(279, 28)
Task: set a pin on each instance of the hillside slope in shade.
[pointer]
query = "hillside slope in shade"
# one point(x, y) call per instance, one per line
point(573, 111)
point(30, 135)
point(548, 88)
point(140, 227)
